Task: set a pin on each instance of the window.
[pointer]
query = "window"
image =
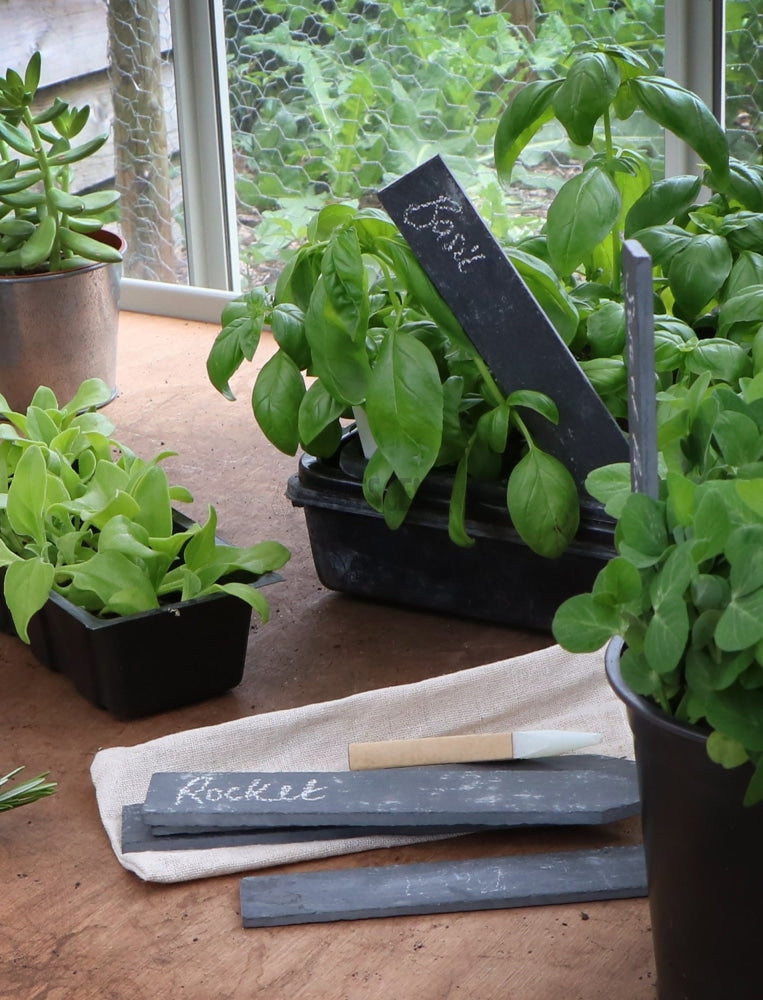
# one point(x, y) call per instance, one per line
point(232, 121)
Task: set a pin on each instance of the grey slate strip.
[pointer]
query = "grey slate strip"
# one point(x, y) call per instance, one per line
point(594, 790)
point(642, 387)
point(139, 836)
point(443, 887)
point(501, 317)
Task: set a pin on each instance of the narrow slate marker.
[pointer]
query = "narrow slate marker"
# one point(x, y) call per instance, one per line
point(596, 790)
point(501, 317)
point(642, 392)
point(139, 836)
point(443, 887)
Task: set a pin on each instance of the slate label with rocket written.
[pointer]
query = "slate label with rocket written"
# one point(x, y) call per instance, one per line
point(501, 317)
point(598, 790)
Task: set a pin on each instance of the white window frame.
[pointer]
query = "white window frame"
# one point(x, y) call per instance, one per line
point(694, 57)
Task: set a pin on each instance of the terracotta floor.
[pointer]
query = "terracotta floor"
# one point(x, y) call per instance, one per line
point(76, 925)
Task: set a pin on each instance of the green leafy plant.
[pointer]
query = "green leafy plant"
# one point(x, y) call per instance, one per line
point(685, 590)
point(84, 516)
point(24, 792)
point(43, 226)
point(707, 251)
point(355, 316)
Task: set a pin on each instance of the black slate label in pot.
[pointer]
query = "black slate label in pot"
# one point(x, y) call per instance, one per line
point(501, 316)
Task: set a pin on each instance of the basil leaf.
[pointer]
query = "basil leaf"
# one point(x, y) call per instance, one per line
point(590, 86)
point(524, 116)
point(663, 201)
point(581, 215)
point(276, 399)
point(405, 408)
point(686, 116)
point(543, 503)
point(698, 270)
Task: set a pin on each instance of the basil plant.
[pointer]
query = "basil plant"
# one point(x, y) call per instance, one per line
point(703, 231)
point(358, 324)
point(685, 589)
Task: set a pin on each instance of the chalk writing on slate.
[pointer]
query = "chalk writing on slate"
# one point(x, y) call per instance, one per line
point(443, 887)
point(598, 790)
point(501, 317)
point(642, 399)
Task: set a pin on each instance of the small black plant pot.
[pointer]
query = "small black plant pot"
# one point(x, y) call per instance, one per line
point(703, 856)
point(499, 579)
point(149, 662)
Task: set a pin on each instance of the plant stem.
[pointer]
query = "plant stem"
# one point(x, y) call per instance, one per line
point(394, 297)
point(614, 236)
point(496, 396)
point(523, 429)
point(48, 183)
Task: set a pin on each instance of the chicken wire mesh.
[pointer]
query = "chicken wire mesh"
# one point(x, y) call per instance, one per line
point(332, 100)
point(145, 141)
point(744, 77)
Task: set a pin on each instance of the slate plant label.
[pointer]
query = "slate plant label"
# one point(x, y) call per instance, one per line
point(501, 316)
point(599, 789)
point(201, 789)
point(443, 887)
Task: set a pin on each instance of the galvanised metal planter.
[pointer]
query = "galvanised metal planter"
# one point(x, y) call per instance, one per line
point(59, 329)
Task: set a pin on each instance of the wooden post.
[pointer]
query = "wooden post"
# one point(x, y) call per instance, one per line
point(521, 13)
point(140, 139)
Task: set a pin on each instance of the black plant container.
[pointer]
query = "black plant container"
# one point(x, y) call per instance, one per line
point(499, 579)
point(149, 662)
point(703, 856)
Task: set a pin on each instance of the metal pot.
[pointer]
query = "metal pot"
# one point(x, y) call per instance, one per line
point(59, 329)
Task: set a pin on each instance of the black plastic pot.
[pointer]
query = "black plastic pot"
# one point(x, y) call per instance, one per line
point(704, 856)
point(149, 662)
point(499, 579)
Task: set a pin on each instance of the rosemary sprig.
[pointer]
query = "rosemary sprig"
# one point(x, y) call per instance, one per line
point(26, 792)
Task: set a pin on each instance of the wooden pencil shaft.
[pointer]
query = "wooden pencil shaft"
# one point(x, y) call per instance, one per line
point(430, 750)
